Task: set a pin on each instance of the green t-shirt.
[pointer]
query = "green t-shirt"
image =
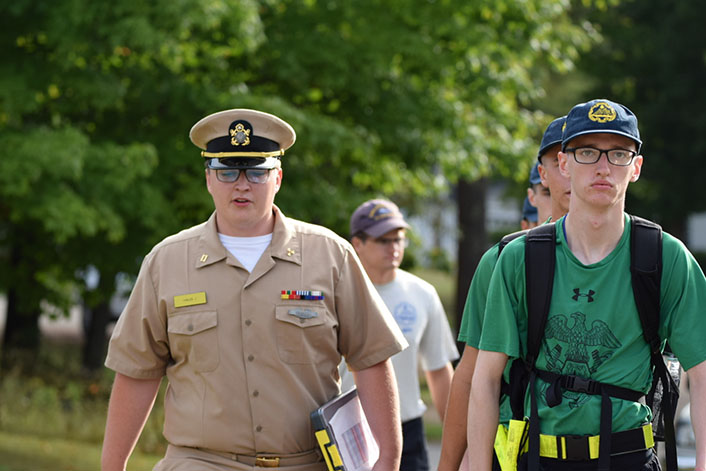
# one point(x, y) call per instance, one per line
point(474, 312)
point(474, 309)
point(593, 328)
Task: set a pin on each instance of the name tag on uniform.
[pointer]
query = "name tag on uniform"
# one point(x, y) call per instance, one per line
point(190, 299)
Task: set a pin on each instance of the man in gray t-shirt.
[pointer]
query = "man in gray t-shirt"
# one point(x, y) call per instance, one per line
point(378, 235)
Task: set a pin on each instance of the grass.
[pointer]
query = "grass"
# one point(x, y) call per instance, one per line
point(21, 452)
point(52, 414)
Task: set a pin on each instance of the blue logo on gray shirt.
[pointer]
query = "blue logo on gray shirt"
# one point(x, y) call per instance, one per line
point(406, 316)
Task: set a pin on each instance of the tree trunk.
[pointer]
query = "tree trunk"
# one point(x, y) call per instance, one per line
point(21, 321)
point(21, 337)
point(96, 319)
point(470, 198)
point(94, 348)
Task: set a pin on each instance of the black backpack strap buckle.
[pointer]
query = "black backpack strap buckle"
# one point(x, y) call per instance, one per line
point(581, 385)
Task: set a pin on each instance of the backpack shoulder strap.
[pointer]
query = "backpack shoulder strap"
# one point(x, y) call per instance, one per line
point(646, 272)
point(540, 258)
point(509, 238)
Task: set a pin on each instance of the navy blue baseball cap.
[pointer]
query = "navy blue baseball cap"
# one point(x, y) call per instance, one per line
point(552, 136)
point(534, 177)
point(529, 212)
point(600, 116)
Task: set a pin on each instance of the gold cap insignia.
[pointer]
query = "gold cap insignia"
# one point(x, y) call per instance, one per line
point(601, 112)
point(239, 136)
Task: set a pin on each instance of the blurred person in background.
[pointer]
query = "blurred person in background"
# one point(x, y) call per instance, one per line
point(378, 234)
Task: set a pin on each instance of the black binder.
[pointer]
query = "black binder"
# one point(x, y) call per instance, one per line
point(343, 450)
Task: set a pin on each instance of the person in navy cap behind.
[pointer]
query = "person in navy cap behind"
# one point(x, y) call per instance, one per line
point(537, 206)
point(594, 364)
point(548, 168)
point(454, 440)
point(379, 235)
point(529, 215)
point(248, 315)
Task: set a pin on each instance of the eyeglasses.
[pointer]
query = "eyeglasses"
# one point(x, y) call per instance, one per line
point(253, 175)
point(591, 155)
point(388, 242)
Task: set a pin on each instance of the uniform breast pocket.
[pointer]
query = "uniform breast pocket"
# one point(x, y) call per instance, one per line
point(304, 334)
point(193, 339)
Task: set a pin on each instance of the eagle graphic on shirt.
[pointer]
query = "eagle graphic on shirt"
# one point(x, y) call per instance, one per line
point(572, 348)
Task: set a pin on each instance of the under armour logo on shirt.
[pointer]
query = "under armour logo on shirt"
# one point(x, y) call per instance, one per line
point(578, 294)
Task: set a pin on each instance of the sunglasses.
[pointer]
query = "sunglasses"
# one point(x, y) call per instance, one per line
point(253, 175)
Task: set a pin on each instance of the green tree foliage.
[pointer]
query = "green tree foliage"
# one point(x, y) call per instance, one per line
point(93, 101)
point(409, 90)
point(391, 97)
point(654, 61)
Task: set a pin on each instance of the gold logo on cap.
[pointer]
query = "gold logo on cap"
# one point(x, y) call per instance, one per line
point(601, 112)
point(239, 136)
point(380, 212)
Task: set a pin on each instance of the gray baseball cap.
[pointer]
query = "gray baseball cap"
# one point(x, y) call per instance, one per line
point(377, 217)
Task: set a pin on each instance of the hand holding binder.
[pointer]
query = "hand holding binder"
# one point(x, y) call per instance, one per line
point(344, 435)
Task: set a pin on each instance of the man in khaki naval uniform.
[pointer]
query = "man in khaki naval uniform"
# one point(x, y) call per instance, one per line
point(248, 315)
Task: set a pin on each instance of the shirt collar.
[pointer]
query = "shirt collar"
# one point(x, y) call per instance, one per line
point(285, 245)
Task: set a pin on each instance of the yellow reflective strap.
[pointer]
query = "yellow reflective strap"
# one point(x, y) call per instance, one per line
point(594, 443)
point(649, 435)
point(516, 432)
point(507, 444)
point(548, 444)
point(500, 447)
point(548, 448)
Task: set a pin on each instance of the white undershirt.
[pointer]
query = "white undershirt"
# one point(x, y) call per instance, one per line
point(247, 250)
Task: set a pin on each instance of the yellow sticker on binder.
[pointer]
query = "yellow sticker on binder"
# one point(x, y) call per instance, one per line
point(329, 450)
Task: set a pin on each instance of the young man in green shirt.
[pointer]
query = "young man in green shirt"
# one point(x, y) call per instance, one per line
point(593, 328)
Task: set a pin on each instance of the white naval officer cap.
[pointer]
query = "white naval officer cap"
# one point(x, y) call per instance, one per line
point(242, 138)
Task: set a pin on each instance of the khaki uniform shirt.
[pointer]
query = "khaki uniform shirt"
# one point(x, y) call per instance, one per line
point(246, 367)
